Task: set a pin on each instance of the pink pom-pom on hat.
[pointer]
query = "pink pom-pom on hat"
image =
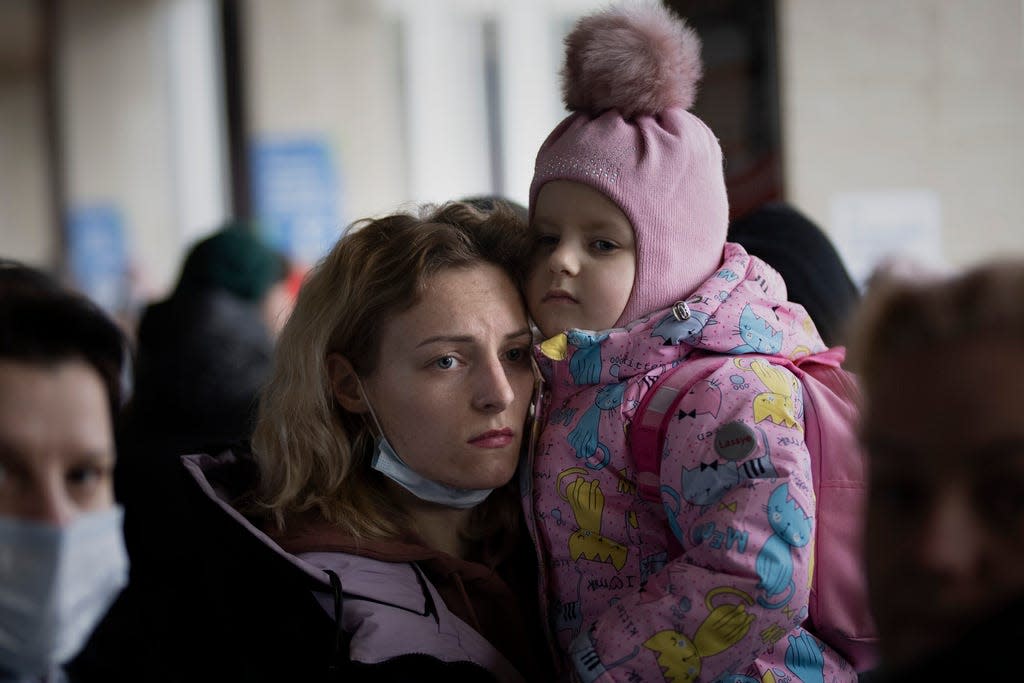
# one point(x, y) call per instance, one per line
point(636, 59)
point(630, 75)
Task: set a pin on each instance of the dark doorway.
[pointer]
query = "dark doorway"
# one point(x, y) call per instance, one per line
point(739, 94)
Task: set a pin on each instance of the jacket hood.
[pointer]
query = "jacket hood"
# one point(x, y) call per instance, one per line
point(221, 478)
point(741, 308)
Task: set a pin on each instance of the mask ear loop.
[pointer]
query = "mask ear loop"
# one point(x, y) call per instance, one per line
point(373, 413)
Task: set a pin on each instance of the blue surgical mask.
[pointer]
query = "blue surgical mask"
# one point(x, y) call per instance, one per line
point(56, 583)
point(386, 461)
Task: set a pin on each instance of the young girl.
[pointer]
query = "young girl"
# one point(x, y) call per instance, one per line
point(632, 276)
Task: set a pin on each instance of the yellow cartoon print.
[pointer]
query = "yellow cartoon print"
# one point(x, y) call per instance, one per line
point(556, 348)
point(778, 404)
point(587, 502)
point(680, 657)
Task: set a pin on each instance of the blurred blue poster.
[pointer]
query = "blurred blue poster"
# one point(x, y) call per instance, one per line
point(98, 254)
point(295, 190)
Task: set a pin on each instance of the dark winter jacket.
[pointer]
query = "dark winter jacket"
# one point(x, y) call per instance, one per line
point(203, 356)
point(220, 600)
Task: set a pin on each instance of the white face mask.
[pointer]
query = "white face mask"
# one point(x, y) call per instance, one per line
point(387, 461)
point(56, 583)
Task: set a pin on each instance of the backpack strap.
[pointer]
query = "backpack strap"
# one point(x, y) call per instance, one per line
point(652, 417)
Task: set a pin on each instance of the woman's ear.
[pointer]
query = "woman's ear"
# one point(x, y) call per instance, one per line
point(345, 384)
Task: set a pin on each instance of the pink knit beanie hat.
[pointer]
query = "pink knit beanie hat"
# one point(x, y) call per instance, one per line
point(630, 75)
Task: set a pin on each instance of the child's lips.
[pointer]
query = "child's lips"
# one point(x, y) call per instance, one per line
point(559, 296)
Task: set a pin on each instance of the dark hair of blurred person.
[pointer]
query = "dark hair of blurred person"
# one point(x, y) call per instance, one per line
point(811, 267)
point(940, 362)
point(62, 556)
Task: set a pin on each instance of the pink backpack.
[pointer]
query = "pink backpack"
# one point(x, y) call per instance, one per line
point(838, 602)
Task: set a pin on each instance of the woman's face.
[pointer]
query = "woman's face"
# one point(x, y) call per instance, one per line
point(454, 379)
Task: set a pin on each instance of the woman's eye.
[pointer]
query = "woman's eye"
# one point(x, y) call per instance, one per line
point(445, 362)
point(516, 355)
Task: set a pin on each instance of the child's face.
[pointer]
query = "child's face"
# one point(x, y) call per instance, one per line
point(584, 261)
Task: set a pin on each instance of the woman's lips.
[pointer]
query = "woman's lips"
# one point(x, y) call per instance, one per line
point(495, 438)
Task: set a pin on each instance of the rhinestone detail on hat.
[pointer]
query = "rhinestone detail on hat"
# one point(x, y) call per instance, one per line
point(591, 166)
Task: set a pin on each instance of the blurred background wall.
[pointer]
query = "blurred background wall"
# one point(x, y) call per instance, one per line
point(129, 128)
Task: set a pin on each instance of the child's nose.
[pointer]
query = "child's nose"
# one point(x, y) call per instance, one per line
point(564, 259)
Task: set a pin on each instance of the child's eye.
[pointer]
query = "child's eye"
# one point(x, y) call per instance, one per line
point(547, 240)
point(605, 245)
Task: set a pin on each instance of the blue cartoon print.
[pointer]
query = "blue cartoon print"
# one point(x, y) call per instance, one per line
point(804, 658)
point(757, 335)
point(672, 512)
point(585, 436)
point(585, 365)
point(706, 483)
point(774, 563)
point(688, 331)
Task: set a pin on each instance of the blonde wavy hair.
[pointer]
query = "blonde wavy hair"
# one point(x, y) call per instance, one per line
point(312, 454)
point(901, 315)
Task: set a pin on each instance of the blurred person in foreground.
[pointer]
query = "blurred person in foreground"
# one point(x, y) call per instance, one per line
point(941, 362)
point(62, 557)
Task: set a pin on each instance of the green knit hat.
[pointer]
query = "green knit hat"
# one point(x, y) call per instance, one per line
point(234, 259)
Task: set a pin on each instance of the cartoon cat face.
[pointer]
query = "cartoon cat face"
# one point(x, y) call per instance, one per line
point(708, 482)
point(610, 396)
point(677, 655)
point(682, 331)
point(757, 333)
point(583, 339)
point(704, 398)
point(787, 518)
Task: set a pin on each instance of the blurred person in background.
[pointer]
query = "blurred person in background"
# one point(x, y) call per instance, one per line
point(62, 556)
point(941, 362)
point(205, 351)
point(811, 267)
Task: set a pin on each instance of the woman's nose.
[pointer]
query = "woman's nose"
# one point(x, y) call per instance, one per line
point(495, 392)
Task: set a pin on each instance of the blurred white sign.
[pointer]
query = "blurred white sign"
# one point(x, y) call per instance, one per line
point(887, 225)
